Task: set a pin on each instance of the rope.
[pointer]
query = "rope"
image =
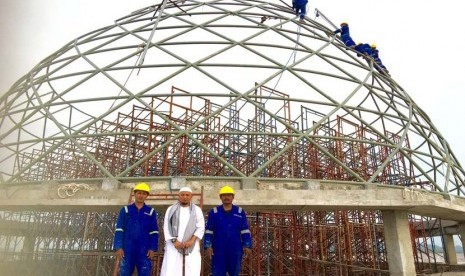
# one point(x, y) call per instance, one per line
point(69, 190)
point(294, 53)
point(127, 79)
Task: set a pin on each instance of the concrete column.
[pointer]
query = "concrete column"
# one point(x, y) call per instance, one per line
point(449, 248)
point(462, 235)
point(398, 243)
point(28, 247)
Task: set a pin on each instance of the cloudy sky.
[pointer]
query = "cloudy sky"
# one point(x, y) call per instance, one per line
point(420, 42)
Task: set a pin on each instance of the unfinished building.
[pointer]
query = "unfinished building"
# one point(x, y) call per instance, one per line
point(224, 92)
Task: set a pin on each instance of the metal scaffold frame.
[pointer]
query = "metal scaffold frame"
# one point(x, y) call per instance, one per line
point(229, 122)
point(285, 243)
point(141, 145)
point(226, 89)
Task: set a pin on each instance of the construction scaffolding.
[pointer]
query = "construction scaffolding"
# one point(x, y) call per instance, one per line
point(148, 141)
point(221, 94)
point(284, 243)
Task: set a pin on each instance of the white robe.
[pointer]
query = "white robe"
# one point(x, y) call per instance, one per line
point(172, 260)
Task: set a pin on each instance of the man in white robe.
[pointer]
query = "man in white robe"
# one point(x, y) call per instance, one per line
point(183, 227)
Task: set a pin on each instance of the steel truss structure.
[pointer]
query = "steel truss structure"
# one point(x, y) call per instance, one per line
point(226, 89)
point(219, 94)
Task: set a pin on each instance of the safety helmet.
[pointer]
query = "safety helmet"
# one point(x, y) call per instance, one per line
point(226, 190)
point(373, 46)
point(142, 187)
point(344, 24)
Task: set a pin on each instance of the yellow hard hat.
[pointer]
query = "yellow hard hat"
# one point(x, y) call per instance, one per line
point(344, 23)
point(226, 190)
point(142, 187)
point(373, 46)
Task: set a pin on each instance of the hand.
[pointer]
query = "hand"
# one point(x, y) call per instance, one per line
point(177, 245)
point(247, 251)
point(209, 252)
point(150, 254)
point(188, 243)
point(120, 253)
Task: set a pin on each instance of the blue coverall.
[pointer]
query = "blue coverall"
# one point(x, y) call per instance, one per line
point(227, 233)
point(300, 7)
point(345, 35)
point(381, 68)
point(364, 49)
point(136, 232)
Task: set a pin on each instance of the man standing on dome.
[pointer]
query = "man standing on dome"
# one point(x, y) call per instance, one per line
point(345, 35)
point(136, 234)
point(227, 236)
point(300, 7)
point(183, 227)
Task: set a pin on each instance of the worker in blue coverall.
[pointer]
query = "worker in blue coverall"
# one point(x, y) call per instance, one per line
point(227, 236)
point(363, 49)
point(375, 56)
point(300, 7)
point(136, 234)
point(345, 35)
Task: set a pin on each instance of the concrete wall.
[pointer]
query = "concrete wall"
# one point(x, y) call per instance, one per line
point(251, 193)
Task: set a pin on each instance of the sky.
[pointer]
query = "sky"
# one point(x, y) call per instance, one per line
point(420, 42)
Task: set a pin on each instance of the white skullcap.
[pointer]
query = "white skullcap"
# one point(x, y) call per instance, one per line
point(185, 189)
